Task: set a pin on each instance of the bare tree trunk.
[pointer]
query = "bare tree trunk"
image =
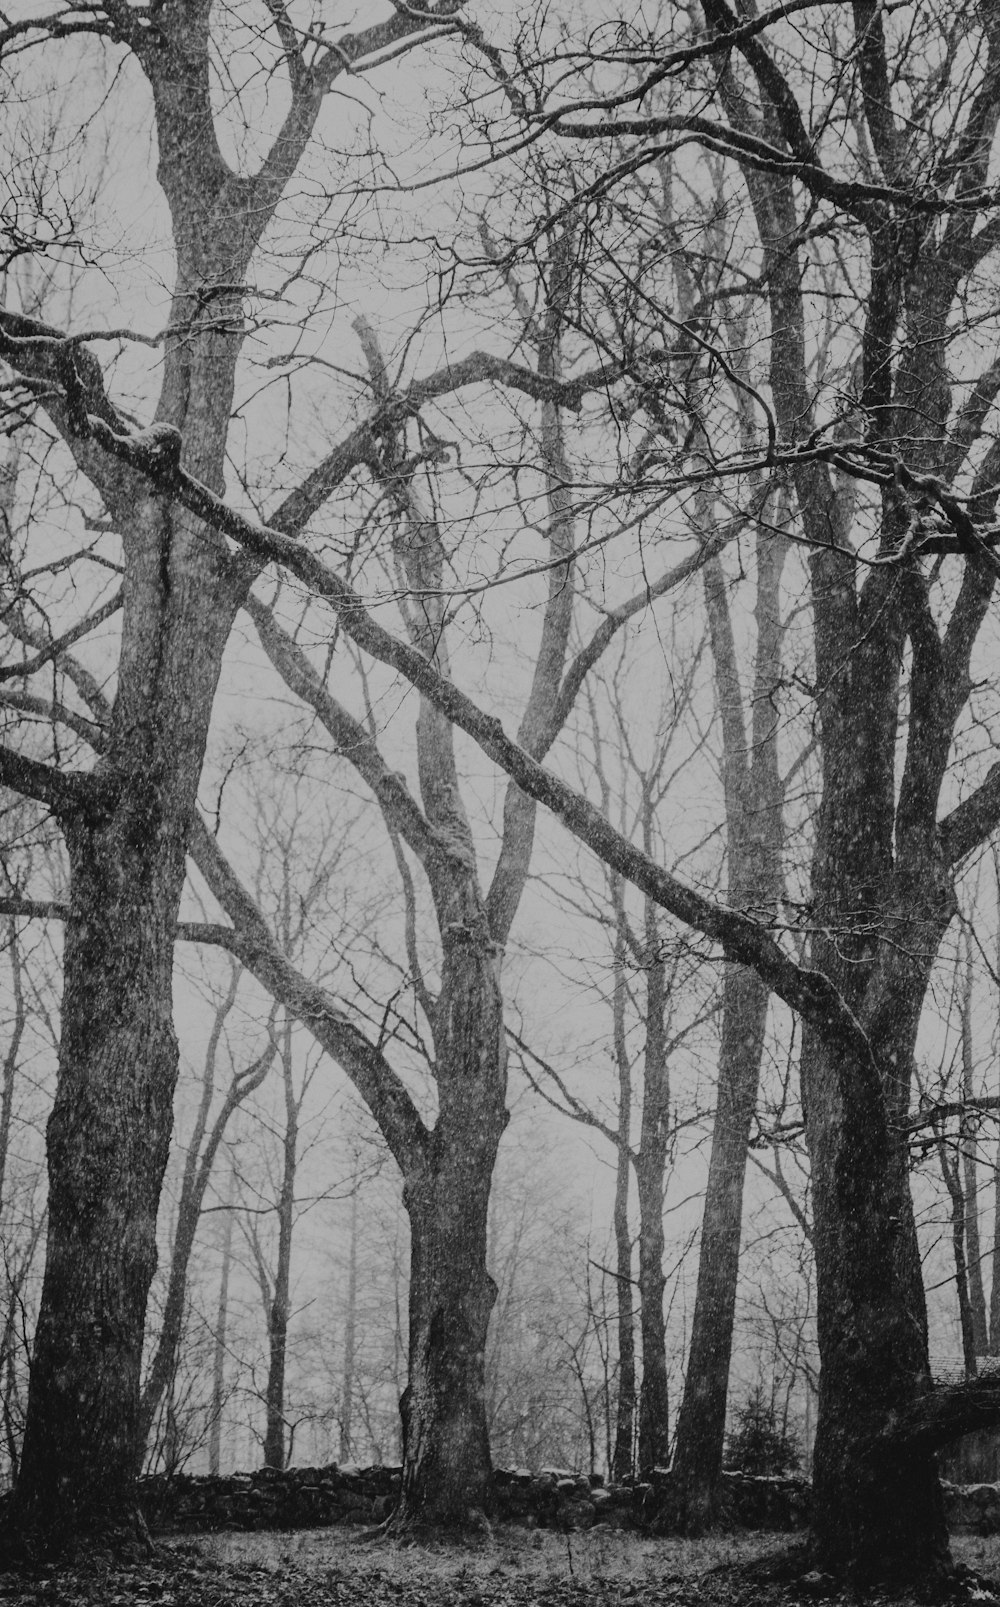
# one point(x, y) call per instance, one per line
point(877, 1500)
point(350, 1336)
point(275, 1444)
point(650, 1171)
point(959, 1221)
point(621, 1461)
point(753, 797)
point(969, 1148)
point(219, 1347)
point(109, 1131)
point(447, 1471)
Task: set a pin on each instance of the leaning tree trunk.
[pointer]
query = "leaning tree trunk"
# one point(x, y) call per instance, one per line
point(702, 1418)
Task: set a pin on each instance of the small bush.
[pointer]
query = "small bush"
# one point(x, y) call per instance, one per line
point(757, 1445)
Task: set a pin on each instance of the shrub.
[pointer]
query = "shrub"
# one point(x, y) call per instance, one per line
point(757, 1444)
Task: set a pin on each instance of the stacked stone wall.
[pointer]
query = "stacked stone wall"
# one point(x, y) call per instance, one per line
point(554, 1498)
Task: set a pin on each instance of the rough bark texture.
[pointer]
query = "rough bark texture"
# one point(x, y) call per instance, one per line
point(109, 1132)
point(219, 1347)
point(350, 1336)
point(275, 1433)
point(650, 1172)
point(702, 1417)
point(447, 1471)
point(622, 1455)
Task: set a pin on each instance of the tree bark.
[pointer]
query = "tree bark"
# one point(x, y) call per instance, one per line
point(753, 802)
point(701, 1421)
point(621, 1460)
point(956, 1194)
point(650, 1171)
point(275, 1441)
point(350, 1336)
point(877, 1501)
point(447, 1471)
point(109, 1131)
point(219, 1347)
point(970, 1174)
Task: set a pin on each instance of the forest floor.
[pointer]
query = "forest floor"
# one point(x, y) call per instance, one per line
point(515, 1568)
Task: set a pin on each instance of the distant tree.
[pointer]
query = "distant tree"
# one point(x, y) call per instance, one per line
point(202, 1151)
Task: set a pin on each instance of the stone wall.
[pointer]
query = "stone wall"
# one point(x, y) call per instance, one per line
point(554, 1498)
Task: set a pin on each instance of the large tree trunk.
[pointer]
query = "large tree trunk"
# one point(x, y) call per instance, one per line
point(447, 1471)
point(877, 1505)
point(109, 1131)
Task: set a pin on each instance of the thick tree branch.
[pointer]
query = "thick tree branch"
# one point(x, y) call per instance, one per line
point(973, 820)
point(61, 792)
point(402, 812)
point(48, 909)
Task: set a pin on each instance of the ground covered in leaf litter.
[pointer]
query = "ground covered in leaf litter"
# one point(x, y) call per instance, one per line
point(514, 1568)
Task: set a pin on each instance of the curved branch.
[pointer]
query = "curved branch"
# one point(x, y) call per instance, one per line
point(252, 943)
